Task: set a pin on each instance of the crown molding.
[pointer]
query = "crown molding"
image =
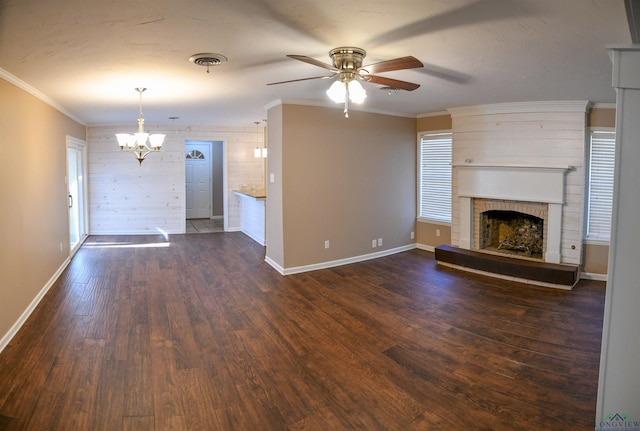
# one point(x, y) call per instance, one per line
point(38, 94)
point(603, 106)
point(522, 107)
point(433, 114)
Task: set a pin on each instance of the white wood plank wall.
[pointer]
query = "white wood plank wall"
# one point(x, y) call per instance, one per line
point(552, 134)
point(125, 198)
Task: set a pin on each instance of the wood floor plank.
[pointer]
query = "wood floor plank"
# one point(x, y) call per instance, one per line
point(138, 423)
point(198, 401)
point(138, 388)
point(80, 397)
point(197, 332)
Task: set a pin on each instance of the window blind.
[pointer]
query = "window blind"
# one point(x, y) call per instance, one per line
point(435, 177)
point(600, 187)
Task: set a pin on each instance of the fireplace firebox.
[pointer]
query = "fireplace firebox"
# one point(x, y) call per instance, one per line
point(512, 232)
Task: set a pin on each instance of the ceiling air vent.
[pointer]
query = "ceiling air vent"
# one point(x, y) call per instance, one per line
point(207, 59)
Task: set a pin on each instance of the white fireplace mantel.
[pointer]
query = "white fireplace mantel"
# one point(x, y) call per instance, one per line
point(512, 182)
point(544, 184)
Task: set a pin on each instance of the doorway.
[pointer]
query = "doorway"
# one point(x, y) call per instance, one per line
point(76, 190)
point(204, 162)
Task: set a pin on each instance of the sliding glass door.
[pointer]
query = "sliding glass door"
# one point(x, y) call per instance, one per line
point(76, 193)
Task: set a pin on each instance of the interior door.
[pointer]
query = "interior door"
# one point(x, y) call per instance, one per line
point(198, 180)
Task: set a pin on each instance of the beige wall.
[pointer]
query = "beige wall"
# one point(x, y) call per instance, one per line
point(437, 121)
point(430, 235)
point(596, 258)
point(347, 181)
point(427, 233)
point(33, 198)
point(602, 117)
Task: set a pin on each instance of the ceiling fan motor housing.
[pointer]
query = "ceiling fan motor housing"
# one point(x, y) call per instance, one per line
point(347, 58)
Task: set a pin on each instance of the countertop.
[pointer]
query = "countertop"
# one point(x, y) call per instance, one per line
point(256, 194)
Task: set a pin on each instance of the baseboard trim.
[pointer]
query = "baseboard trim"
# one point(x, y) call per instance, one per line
point(592, 276)
point(256, 238)
point(6, 338)
point(274, 265)
point(430, 248)
point(338, 262)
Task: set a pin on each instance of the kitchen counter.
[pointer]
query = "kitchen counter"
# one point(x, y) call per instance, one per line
point(256, 194)
point(252, 211)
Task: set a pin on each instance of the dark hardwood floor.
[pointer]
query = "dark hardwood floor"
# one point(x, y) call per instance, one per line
point(199, 333)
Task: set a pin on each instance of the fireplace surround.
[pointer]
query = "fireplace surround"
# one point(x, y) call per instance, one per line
point(535, 190)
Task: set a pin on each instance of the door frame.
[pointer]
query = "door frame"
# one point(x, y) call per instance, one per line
point(225, 192)
point(80, 146)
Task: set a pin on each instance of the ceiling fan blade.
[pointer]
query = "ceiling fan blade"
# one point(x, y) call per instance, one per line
point(401, 63)
point(313, 61)
point(303, 79)
point(394, 83)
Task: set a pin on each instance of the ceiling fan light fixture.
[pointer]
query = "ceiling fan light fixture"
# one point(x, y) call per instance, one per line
point(337, 92)
point(353, 90)
point(357, 94)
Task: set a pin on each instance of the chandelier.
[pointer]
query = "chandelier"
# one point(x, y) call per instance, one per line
point(137, 143)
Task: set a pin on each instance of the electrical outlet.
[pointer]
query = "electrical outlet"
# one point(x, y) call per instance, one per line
point(437, 232)
point(379, 242)
point(374, 243)
point(326, 244)
point(413, 235)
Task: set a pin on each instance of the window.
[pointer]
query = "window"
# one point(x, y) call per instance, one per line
point(600, 185)
point(435, 177)
point(195, 154)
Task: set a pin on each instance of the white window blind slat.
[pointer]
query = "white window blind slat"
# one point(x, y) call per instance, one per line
point(435, 177)
point(600, 187)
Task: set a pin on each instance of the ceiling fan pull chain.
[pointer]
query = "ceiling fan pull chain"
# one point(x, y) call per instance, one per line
point(346, 102)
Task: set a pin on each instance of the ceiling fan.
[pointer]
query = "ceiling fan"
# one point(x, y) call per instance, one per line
point(348, 69)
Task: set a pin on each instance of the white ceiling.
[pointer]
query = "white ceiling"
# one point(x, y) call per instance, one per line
point(88, 56)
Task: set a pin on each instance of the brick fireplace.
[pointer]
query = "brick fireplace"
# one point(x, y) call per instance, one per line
point(536, 191)
point(523, 157)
